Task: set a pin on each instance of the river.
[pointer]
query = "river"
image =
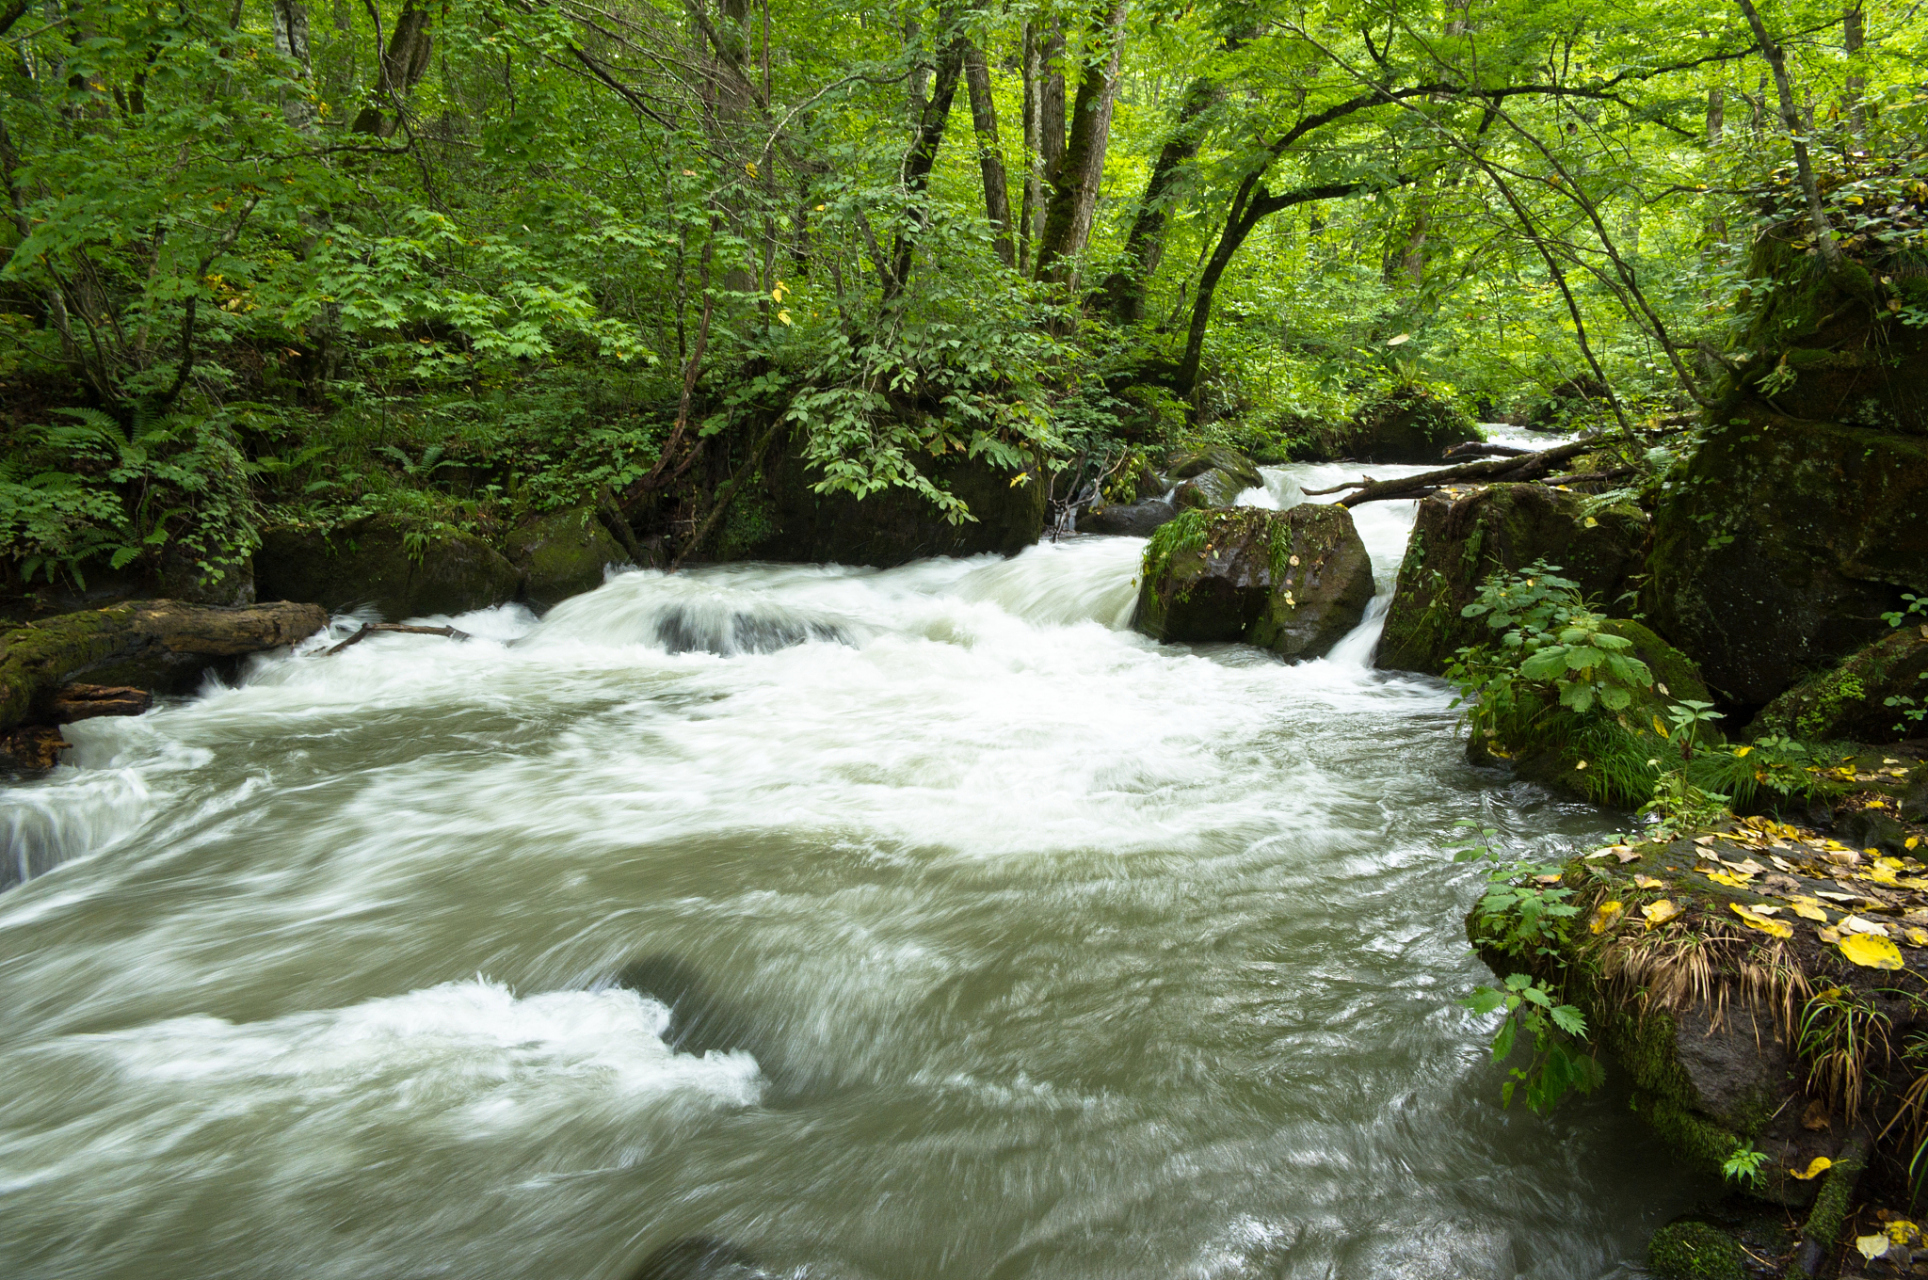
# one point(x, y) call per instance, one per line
point(1016, 946)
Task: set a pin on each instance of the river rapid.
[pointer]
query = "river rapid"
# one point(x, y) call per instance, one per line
point(1017, 946)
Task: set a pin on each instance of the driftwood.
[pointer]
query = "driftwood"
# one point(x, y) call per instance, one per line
point(1503, 470)
point(370, 628)
point(1480, 449)
point(146, 645)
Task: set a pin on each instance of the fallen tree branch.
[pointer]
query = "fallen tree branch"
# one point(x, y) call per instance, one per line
point(1479, 449)
point(370, 628)
point(1506, 470)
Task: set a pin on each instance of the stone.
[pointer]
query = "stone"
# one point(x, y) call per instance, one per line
point(1783, 547)
point(1212, 477)
point(1137, 519)
point(1457, 543)
point(1292, 581)
point(380, 561)
point(561, 554)
point(1850, 703)
point(1408, 426)
point(897, 525)
point(1687, 1249)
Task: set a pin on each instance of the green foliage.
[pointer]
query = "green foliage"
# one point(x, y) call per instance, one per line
point(1745, 1165)
point(1525, 914)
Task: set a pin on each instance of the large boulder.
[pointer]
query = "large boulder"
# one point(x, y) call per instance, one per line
point(1212, 477)
point(1783, 547)
point(1137, 519)
point(561, 554)
point(1292, 581)
point(1407, 426)
point(1457, 542)
point(897, 525)
point(1850, 703)
point(382, 562)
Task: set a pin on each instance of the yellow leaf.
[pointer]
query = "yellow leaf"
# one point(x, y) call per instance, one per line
point(1828, 935)
point(1809, 909)
point(1659, 912)
point(749, 167)
point(1916, 936)
point(1754, 920)
point(1604, 915)
point(1741, 753)
point(783, 317)
point(1815, 1166)
point(1591, 522)
point(1855, 924)
point(1902, 1231)
point(1659, 728)
point(1871, 952)
point(1722, 877)
point(1648, 882)
point(1911, 842)
point(778, 292)
point(1873, 1246)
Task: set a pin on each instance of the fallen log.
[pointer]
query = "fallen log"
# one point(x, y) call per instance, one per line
point(152, 645)
point(1504, 470)
point(85, 701)
point(370, 628)
point(1480, 449)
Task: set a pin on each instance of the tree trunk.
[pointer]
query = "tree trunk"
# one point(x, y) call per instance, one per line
point(990, 155)
point(923, 154)
point(1080, 170)
point(1791, 120)
point(148, 644)
point(402, 66)
point(1144, 248)
point(1853, 34)
point(290, 19)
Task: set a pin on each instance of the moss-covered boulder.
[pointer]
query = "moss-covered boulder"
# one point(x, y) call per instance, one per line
point(1457, 542)
point(1408, 426)
point(1688, 1249)
point(1783, 546)
point(1290, 581)
point(897, 526)
point(561, 554)
point(1608, 758)
point(1212, 477)
point(382, 562)
point(1136, 519)
point(1850, 703)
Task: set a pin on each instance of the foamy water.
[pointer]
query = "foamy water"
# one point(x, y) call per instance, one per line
point(1047, 951)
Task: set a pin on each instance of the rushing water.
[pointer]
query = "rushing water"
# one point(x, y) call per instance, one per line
point(1024, 947)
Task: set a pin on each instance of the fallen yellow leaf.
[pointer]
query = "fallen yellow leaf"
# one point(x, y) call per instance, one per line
point(1916, 936)
point(1871, 952)
point(1873, 1246)
point(1809, 909)
point(1648, 882)
point(1604, 916)
point(1817, 1165)
point(1754, 920)
point(1726, 878)
point(1659, 912)
point(1856, 924)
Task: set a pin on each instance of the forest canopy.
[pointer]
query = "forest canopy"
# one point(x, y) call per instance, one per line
point(273, 260)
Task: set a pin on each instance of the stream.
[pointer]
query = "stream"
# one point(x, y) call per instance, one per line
point(1004, 943)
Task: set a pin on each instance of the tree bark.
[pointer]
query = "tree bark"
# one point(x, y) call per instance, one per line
point(1075, 182)
point(402, 66)
point(1124, 289)
point(1853, 36)
point(157, 641)
point(1791, 119)
point(990, 155)
point(290, 18)
point(923, 155)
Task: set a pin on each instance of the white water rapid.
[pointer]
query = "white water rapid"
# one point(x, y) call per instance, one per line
point(1022, 947)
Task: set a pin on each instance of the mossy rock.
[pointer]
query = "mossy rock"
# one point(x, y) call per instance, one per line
point(1688, 1249)
point(1850, 703)
point(897, 525)
point(372, 562)
point(1603, 757)
point(1292, 581)
point(1236, 467)
point(1407, 426)
point(1457, 543)
point(561, 554)
point(1782, 546)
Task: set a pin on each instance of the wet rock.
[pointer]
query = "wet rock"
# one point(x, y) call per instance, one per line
point(700, 1258)
point(561, 554)
point(1872, 828)
point(698, 1020)
point(1457, 543)
point(382, 562)
point(154, 645)
point(1138, 519)
point(896, 526)
point(1407, 426)
point(1212, 477)
point(1688, 1249)
point(1290, 581)
point(1850, 703)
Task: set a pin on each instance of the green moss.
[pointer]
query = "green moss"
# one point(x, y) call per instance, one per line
point(1831, 1206)
point(35, 657)
point(1692, 1250)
